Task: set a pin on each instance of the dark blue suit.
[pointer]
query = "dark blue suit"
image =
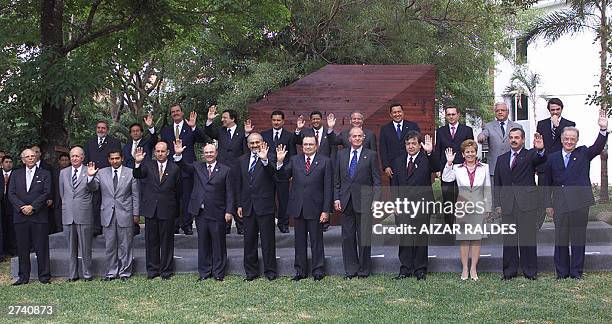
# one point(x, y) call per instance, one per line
point(414, 186)
point(390, 146)
point(147, 144)
point(327, 147)
point(189, 138)
point(570, 195)
point(288, 139)
point(256, 198)
point(516, 193)
point(32, 229)
point(8, 227)
point(311, 194)
point(212, 197)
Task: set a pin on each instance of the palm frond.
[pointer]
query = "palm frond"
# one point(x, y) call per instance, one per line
point(558, 23)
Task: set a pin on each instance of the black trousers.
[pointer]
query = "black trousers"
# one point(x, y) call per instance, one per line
point(450, 191)
point(37, 235)
point(356, 256)
point(159, 242)
point(212, 252)
point(235, 179)
point(96, 200)
point(256, 226)
point(8, 231)
point(282, 196)
point(303, 229)
point(185, 220)
point(570, 230)
point(413, 249)
point(520, 248)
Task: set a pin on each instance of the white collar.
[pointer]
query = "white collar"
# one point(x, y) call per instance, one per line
point(312, 157)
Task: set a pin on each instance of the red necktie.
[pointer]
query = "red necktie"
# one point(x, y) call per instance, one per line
point(515, 155)
point(308, 165)
point(6, 179)
point(410, 166)
point(453, 131)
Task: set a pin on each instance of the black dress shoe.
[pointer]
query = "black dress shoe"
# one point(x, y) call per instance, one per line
point(420, 276)
point(250, 278)
point(165, 277)
point(125, 278)
point(318, 277)
point(283, 229)
point(150, 277)
point(349, 277)
point(298, 278)
point(219, 278)
point(188, 231)
point(401, 276)
point(109, 278)
point(88, 279)
point(531, 277)
point(576, 277)
point(45, 282)
point(20, 282)
point(271, 277)
point(362, 276)
point(507, 277)
point(72, 279)
point(562, 277)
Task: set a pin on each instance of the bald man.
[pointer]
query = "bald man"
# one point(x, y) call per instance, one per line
point(212, 204)
point(29, 190)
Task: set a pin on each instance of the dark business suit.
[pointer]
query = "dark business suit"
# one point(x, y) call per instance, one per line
point(256, 198)
point(444, 140)
point(188, 137)
point(326, 146)
point(1, 220)
point(99, 155)
point(349, 190)
point(570, 195)
point(33, 229)
point(516, 194)
point(57, 203)
point(369, 140)
point(311, 194)
point(390, 146)
point(212, 197)
point(159, 205)
point(230, 150)
point(288, 139)
point(8, 227)
point(413, 186)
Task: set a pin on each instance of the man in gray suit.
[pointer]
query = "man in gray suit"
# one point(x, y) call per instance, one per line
point(119, 212)
point(77, 214)
point(496, 134)
point(369, 138)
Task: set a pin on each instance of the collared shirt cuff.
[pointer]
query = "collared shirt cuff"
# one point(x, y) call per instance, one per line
point(541, 153)
point(152, 130)
point(89, 178)
point(136, 165)
point(264, 162)
point(177, 157)
point(208, 123)
point(603, 132)
point(279, 166)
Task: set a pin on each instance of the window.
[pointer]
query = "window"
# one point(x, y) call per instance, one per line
point(520, 51)
point(520, 107)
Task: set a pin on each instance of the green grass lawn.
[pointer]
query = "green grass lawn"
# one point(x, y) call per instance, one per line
point(441, 298)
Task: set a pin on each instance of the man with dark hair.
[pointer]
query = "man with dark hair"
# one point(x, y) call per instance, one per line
point(411, 180)
point(451, 136)
point(63, 161)
point(187, 131)
point(516, 201)
point(392, 137)
point(96, 150)
point(274, 137)
point(29, 189)
point(231, 144)
point(569, 196)
point(8, 228)
point(310, 203)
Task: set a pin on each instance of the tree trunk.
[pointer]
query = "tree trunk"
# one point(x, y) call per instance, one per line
point(603, 81)
point(53, 131)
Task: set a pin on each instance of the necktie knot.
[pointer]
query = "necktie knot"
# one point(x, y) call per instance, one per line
point(502, 123)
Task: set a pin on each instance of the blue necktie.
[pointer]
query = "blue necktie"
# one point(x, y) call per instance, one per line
point(501, 126)
point(252, 167)
point(353, 165)
point(566, 159)
point(399, 132)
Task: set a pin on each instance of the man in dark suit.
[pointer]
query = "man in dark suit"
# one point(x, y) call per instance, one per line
point(325, 136)
point(231, 143)
point(356, 184)
point(310, 203)
point(40, 163)
point(550, 129)
point(412, 180)
point(63, 161)
point(212, 203)
point(256, 207)
point(392, 137)
point(189, 134)
point(8, 227)
point(29, 190)
point(129, 149)
point(274, 137)
point(451, 135)
point(161, 185)
point(96, 150)
point(569, 197)
point(369, 139)
point(516, 200)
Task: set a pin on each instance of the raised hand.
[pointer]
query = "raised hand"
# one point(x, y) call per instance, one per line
point(555, 120)
point(450, 155)
point(281, 152)
point(139, 155)
point(300, 123)
point(428, 145)
point(212, 113)
point(263, 151)
point(148, 120)
point(91, 169)
point(248, 126)
point(178, 147)
point(603, 120)
point(538, 141)
point(331, 121)
point(193, 116)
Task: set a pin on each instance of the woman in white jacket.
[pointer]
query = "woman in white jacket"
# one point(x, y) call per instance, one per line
point(474, 184)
